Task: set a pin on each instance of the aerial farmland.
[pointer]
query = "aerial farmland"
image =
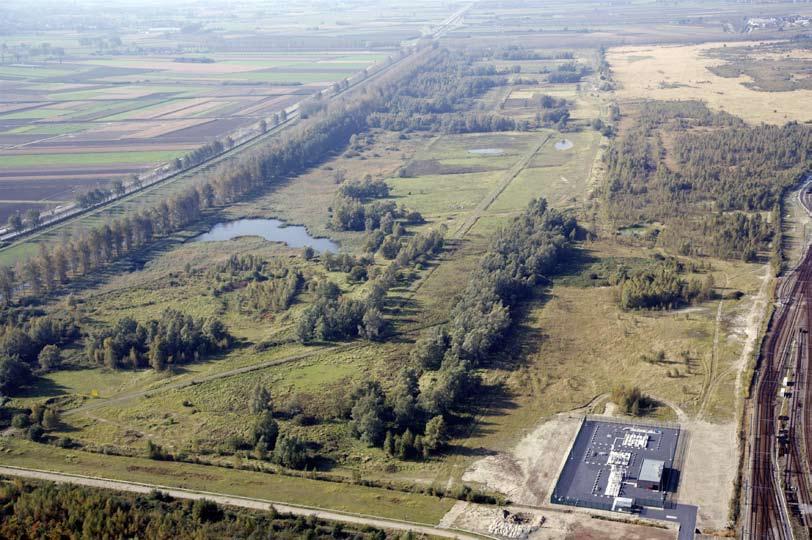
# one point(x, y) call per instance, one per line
point(83, 107)
point(83, 123)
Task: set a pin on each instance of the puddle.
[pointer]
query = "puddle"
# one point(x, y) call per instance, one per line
point(487, 151)
point(269, 229)
point(564, 144)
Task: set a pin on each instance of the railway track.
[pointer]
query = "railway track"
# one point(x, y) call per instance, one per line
point(797, 480)
point(778, 491)
point(767, 516)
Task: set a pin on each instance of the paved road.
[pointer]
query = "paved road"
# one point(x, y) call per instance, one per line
point(683, 513)
point(243, 502)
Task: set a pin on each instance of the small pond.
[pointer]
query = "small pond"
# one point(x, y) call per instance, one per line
point(269, 229)
point(487, 151)
point(564, 144)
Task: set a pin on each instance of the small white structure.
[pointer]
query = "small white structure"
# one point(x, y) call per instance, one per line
point(619, 459)
point(614, 482)
point(623, 504)
point(635, 440)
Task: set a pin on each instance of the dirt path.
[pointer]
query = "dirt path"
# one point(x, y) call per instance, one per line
point(754, 320)
point(243, 502)
point(682, 416)
point(193, 380)
point(474, 216)
point(712, 376)
point(511, 174)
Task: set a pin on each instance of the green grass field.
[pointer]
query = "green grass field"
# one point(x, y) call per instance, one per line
point(49, 129)
point(34, 72)
point(33, 114)
point(89, 158)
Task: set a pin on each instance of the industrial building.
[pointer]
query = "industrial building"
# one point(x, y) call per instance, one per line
point(651, 474)
point(619, 466)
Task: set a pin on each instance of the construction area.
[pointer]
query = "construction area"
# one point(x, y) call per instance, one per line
point(619, 466)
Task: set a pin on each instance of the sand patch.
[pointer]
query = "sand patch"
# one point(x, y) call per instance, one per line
point(681, 73)
point(709, 471)
point(522, 94)
point(168, 64)
point(527, 474)
point(486, 151)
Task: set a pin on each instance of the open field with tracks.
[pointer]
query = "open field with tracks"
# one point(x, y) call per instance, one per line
point(472, 184)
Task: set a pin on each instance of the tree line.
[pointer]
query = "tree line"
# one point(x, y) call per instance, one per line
point(438, 98)
point(333, 316)
point(27, 508)
point(32, 345)
point(409, 420)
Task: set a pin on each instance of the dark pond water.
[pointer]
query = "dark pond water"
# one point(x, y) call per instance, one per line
point(269, 229)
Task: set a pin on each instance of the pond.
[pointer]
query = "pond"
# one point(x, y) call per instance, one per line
point(269, 229)
point(564, 144)
point(487, 151)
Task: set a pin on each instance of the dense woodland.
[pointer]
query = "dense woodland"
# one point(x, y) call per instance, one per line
point(31, 344)
point(36, 510)
point(333, 316)
point(714, 182)
point(661, 286)
point(439, 99)
point(172, 339)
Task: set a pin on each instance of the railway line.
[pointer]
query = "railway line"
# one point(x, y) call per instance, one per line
point(778, 487)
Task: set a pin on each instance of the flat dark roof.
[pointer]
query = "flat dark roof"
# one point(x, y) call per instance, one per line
point(603, 445)
point(652, 470)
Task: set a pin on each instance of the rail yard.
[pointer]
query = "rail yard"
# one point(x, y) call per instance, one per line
point(777, 490)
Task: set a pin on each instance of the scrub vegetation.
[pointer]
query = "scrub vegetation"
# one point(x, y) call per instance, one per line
point(517, 240)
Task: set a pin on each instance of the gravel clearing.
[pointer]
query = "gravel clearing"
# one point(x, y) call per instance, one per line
point(543, 524)
point(527, 474)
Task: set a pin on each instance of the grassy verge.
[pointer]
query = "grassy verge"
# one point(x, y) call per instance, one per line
point(342, 497)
